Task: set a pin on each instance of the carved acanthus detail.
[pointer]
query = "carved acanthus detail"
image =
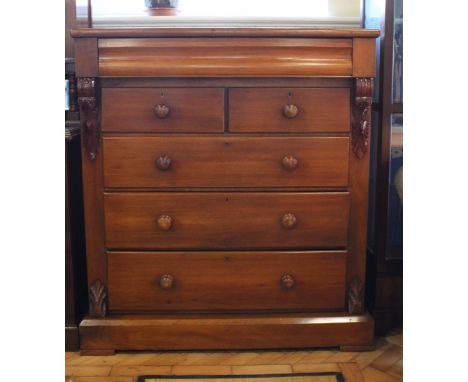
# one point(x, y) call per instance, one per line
point(355, 297)
point(362, 115)
point(88, 104)
point(97, 299)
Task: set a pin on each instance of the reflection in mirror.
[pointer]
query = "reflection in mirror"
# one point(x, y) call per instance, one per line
point(397, 86)
point(395, 191)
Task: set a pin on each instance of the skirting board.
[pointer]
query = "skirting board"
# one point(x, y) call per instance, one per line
point(225, 332)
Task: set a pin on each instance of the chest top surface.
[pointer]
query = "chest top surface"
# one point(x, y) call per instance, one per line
point(224, 52)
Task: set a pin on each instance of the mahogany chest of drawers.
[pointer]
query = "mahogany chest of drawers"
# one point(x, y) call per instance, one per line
point(225, 186)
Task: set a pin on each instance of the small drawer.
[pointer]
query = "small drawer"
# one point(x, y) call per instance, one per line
point(283, 110)
point(172, 110)
point(234, 220)
point(229, 281)
point(225, 161)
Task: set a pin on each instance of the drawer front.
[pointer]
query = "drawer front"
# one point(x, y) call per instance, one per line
point(176, 281)
point(225, 162)
point(283, 110)
point(226, 220)
point(171, 110)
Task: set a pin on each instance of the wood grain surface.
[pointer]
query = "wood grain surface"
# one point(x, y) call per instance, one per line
point(162, 57)
point(191, 110)
point(226, 281)
point(225, 161)
point(228, 331)
point(226, 220)
point(261, 110)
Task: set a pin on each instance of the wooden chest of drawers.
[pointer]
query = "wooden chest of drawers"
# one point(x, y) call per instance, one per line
point(225, 182)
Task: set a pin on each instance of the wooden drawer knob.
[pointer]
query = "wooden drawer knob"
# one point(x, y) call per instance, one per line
point(163, 163)
point(166, 282)
point(161, 111)
point(289, 163)
point(288, 221)
point(290, 110)
point(164, 222)
point(287, 282)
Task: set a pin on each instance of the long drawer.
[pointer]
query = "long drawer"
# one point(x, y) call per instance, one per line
point(225, 161)
point(172, 281)
point(283, 110)
point(156, 110)
point(226, 220)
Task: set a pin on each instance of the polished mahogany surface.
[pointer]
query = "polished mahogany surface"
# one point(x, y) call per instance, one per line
point(225, 182)
point(225, 161)
point(226, 281)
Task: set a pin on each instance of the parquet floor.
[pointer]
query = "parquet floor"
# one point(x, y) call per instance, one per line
point(384, 364)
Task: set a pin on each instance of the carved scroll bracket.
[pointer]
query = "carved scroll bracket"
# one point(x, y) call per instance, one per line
point(355, 297)
point(89, 111)
point(362, 115)
point(97, 299)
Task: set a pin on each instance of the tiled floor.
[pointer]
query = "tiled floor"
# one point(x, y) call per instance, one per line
point(384, 364)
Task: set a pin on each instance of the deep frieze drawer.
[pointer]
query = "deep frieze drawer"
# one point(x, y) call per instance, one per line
point(226, 220)
point(228, 161)
point(224, 57)
point(175, 281)
point(169, 110)
point(289, 110)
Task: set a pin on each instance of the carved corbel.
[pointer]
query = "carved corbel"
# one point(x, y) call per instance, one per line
point(97, 299)
point(88, 104)
point(355, 297)
point(362, 115)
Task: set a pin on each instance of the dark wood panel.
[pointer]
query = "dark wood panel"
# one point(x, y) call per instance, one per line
point(164, 57)
point(86, 57)
point(188, 110)
point(226, 332)
point(225, 161)
point(389, 292)
point(226, 220)
point(263, 110)
point(176, 281)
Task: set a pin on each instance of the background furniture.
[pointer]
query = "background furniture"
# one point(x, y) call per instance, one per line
point(385, 259)
point(76, 293)
point(225, 187)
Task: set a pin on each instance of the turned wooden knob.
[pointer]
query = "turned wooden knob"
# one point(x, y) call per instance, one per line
point(163, 163)
point(164, 222)
point(289, 163)
point(288, 221)
point(161, 111)
point(290, 110)
point(287, 282)
point(166, 282)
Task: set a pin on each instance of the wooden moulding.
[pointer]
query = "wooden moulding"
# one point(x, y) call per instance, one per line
point(165, 57)
point(99, 336)
point(224, 32)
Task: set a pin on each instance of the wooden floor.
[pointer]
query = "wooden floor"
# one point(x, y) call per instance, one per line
point(384, 364)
